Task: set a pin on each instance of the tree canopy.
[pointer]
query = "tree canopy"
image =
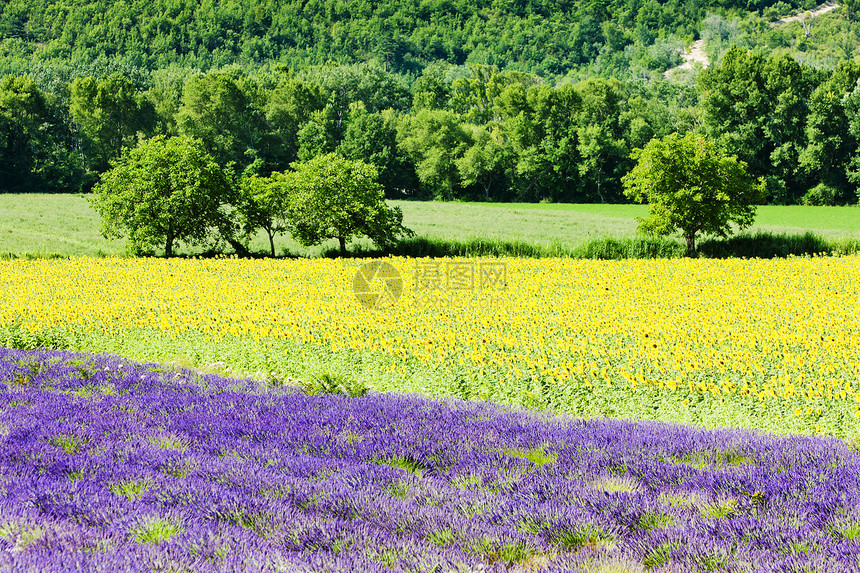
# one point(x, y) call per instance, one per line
point(263, 205)
point(111, 112)
point(543, 36)
point(330, 197)
point(692, 186)
point(22, 108)
point(163, 191)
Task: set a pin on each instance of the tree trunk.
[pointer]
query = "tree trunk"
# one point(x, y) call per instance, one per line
point(599, 173)
point(691, 243)
point(240, 249)
point(342, 241)
point(168, 243)
point(271, 242)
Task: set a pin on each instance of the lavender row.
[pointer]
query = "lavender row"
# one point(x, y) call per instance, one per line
point(108, 465)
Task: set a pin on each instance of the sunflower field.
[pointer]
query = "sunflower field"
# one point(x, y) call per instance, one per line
point(765, 344)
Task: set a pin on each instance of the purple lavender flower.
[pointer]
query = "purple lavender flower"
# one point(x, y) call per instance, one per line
point(108, 465)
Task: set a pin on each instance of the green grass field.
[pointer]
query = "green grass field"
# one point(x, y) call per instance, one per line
point(39, 224)
point(573, 224)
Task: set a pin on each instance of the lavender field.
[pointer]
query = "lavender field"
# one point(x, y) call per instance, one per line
point(108, 465)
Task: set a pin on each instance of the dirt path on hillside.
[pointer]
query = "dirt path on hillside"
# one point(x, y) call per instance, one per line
point(820, 9)
point(697, 51)
point(694, 56)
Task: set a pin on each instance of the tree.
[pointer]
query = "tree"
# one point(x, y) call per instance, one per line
point(319, 135)
point(110, 112)
point(290, 106)
point(692, 186)
point(539, 124)
point(22, 108)
point(601, 146)
point(165, 96)
point(372, 138)
point(757, 108)
point(434, 140)
point(473, 96)
point(225, 112)
point(38, 149)
point(430, 90)
point(735, 106)
point(331, 197)
point(600, 152)
point(162, 191)
point(484, 164)
point(851, 103)
point(367, 83)
point(264, 205)
point(830, 141)
point(788, 89)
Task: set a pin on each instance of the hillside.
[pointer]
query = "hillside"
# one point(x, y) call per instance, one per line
point(547, 37)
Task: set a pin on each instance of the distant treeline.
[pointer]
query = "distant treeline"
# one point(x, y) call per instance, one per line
point(455, 132)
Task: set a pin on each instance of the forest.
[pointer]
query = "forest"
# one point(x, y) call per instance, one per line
point(498, 101)
point(546, 37)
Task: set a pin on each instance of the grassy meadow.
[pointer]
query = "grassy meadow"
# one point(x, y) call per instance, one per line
point(573, 224)
point(40, 224)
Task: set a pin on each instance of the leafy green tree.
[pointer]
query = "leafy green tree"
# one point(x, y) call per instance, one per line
point(475, 96)
point(431, 90)
point(366, 83)
point(372, 138)
point(756, 108)
point(39, 150)
point(163, 191)
point(785, 127)
point(434, 140)
point(165, 95)
point(264, 205)
point(22, 109)
point(852, 9)
point(693, 187)
point(110, 112)
point(485, 163)
point(319, 135)
point(587, 39)
point(657, 109)
point(830, 142)
point(540, 126)
point(600, 139)
point(735, 106)
point(289, 107)
point(601, 157)
point(852, 112)
point(331, 197)
point(821, 194)
point(225, 111)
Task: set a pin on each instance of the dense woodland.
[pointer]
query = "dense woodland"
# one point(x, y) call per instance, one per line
point(499, 101)
point(546, 37)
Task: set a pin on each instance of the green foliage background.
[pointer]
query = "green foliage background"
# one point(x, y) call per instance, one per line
point(491, 101)
point(540, 36)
